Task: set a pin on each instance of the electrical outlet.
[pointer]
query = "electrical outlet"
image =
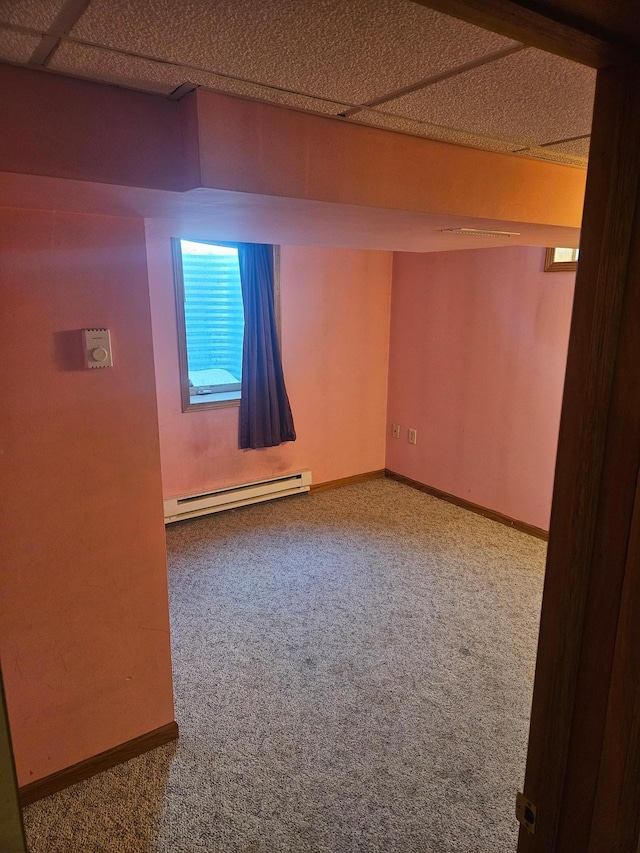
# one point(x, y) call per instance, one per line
point(395, 432)
point(413, 436)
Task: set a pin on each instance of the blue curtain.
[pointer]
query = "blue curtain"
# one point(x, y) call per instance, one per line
point(265, 413)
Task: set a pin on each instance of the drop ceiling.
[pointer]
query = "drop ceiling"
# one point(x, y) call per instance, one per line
point(388, 63)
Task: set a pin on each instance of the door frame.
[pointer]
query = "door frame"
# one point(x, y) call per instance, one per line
point(583, 763)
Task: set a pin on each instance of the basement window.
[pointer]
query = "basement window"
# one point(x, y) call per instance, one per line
point(210, 319)
point(561, 260)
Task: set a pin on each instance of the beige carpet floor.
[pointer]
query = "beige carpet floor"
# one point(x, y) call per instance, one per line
point(353, 672)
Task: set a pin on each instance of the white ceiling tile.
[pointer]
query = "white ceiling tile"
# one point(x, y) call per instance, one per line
point(17, 47)
point(344, 50)
point(529, 97)
point(37, 14)
point(430, 131)
point(272, 96)
point(109, 67)
point(162, 78)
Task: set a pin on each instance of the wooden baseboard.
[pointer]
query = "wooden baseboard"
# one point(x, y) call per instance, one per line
point(461, 502)
point(96, 764)
point(347, 481)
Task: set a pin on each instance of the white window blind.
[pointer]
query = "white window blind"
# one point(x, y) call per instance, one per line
point(214, 316)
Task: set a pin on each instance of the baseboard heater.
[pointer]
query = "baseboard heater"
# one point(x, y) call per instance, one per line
point(177, 509)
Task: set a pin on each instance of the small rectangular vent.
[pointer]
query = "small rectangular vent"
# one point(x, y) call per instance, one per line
point(190, 506)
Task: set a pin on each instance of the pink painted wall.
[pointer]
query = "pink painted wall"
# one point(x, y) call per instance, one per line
point(84, 629)
point(477, 360)
point(335, 343)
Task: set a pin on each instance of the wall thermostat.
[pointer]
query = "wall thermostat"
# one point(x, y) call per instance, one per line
point(97, 348)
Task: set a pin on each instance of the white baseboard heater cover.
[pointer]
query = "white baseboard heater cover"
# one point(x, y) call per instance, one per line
point(177, 509)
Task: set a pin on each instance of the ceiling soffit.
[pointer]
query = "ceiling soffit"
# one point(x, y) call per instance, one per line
point(268, 219)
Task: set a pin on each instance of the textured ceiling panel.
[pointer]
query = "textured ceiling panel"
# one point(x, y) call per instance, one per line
point(103, 65)
point(38, 14)
point(529, 97)
point(430, 131)
point(344, 50)
point(17, 47)
point(97, 64)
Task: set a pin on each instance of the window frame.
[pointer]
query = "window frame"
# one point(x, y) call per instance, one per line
point(551, 265)
point(220, 398)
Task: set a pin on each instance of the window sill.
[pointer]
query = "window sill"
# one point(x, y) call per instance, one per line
point(219, 400)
